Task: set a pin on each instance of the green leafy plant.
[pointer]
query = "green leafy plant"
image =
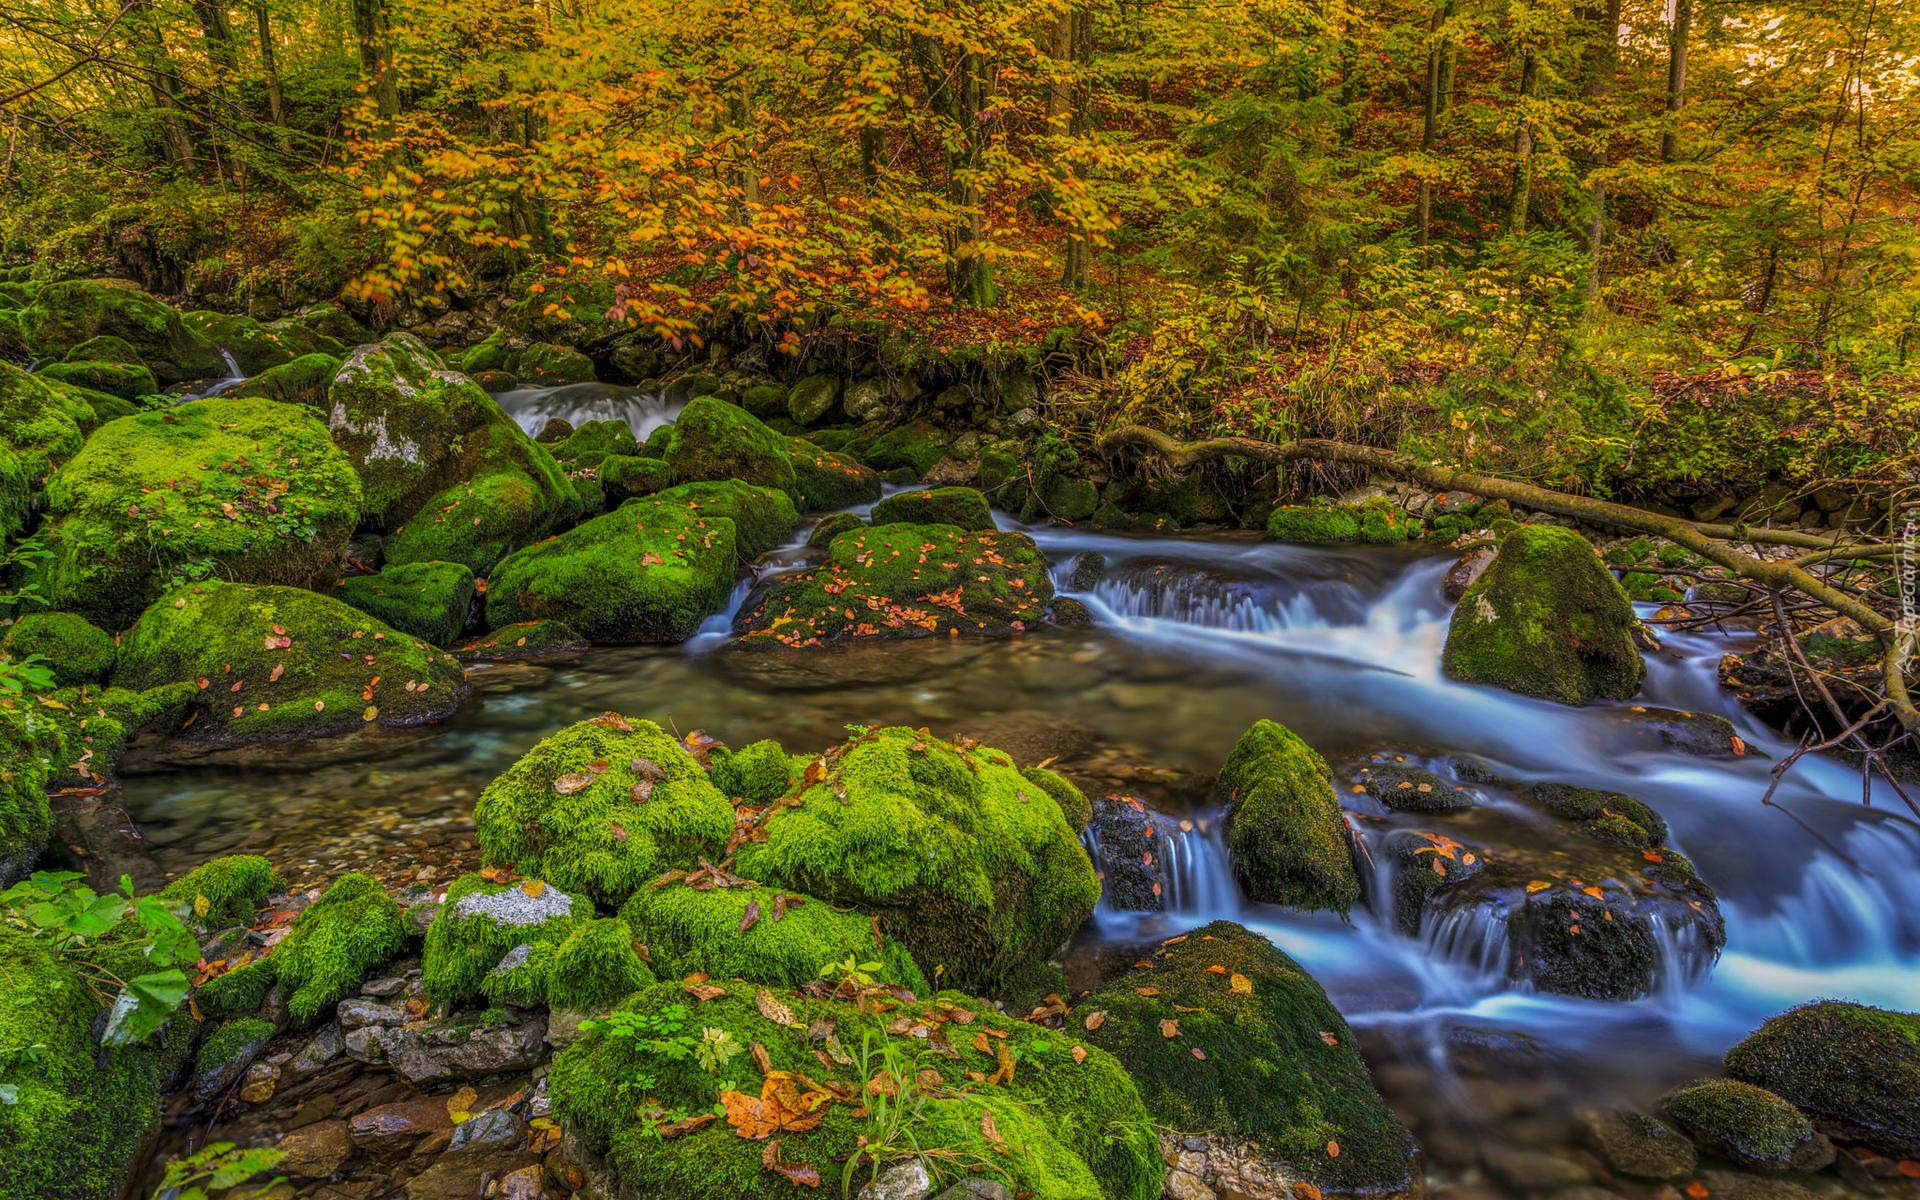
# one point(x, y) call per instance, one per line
point(851, 977)
point(218, 1167)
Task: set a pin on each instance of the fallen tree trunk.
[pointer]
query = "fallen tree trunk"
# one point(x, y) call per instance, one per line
point(1711, 542)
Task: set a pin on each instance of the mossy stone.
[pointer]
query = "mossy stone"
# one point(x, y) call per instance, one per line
point(76, 650)
point(1852, 1067)
point(105, 348)
point(1281, 1068)
point(962, 507)
point(603, 807)
point(252, 488)
point(224, 892)
point(624, 477)
point(498, 941)
point(648, 572)
point(336, 942)
point(714, 440)
point(63, 315)
point(1610, 816)
point(830, 480)
point(962, 858)
point(128, 381)
point(274, 663)
point(491, 353)
point(756, 774)
point(1750, 1125)
point(1285, 829)
point(544, 364)
point(252, 345)
point(428, 600)
point(27, 751)
point(528, 639)
point(1074, 805)
point(763, 518)
point(303, 381)
point(330, 320)
point(1376, 521)
point(603, 437)
point(918, 447)
point(1546, 619)
point(905, 581)
point(812, 398)
point(832, 527)
point(40, 428)
point(477, 522)
point(301, 340)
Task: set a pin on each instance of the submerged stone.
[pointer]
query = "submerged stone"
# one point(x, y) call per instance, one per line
point(1853, 1068)
point(1750, 1125)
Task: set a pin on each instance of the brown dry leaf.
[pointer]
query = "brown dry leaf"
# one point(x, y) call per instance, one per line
point(1199, 1054)
point(460, 1105)
point(1537, 885)
point(1216, 969)
point(1240, 985)
point(1003, 1054)
point(775, 1011)
point(1148, 991)
point(533, 888)
point(1739, 747)
point(981, 1043)
point(1333, 1149)
point(1095, 1020)
point(787, 1104)
point(705, 991)
point(1079, 1054)
point(990, 1131)
point(800, 1173)
point(751, 916)
point(687, 1125)
point(567, 785)
point(371, 713)
point(1328, 1038)
point(1169, 1028)
point(1305, 1191)
point(613, 720)
point(760, 1057)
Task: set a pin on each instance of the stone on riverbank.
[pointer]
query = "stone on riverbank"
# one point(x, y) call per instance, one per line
point(1284, 826)
point(502, 940)
point(1852, 1068)
point(648, 572)
point(250, 490)
point(254, 346)
point(1280, 1066)
point(828, 480)
point(77, 651)
point(1750, 1125)
point(63, 315)
point(714, 440)
point(1546, 619)
point(527, 639)
point(962, 507)
point(1375, 521)
point(303, 381)
point(763, 518)
point(427, 600)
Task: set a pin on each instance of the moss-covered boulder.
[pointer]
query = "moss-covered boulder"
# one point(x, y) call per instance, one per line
point(1852, 1068)
point(1376, 521)
point(1750, 1125)
point(1059, 1125)
point(648, 572)
point(625, 477)
point(336, 943)
point(763, 518)
point(330, 320)
point(303, 381)
point(1546, 619)
point(1284, 826)
point(1401, 783)
point(40, 428)
point(832, 527)
point(828, 480)
point(249, 488)
point(455, 477)
point(918, 447)
point(274, 664)
point(27, 749)
point(715, 440)
point(528, 639)
point(252, 345)
point(302, 340)
point(105, 348)
point(508, 942)
point(75, 736)
point(603, 807)
point(905, 581)
point(761, 933)
point(129, 381)
point(1234, 1039)
point(78, 1113)
point(597, 437)
point(76, 650)
point(963, 859)
point(63, 315)
point(427, 600)
point(958, 506)
point(812, 398)
point(545, 364)
point(757, 774)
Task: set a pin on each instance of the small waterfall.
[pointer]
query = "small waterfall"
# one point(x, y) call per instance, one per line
point(1685, 957)
point(1188, 594)
point(1861, 907)
point(235, 377)
point(1199, 876)
point(1472, 937)
point(578, 403)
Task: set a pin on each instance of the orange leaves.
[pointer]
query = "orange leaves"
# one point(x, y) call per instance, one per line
point(1698, 1190)
point(567, 785)
point(1169, 1028)
point(772, 1159)
point(788, 1103)
point(1095, 1020)
point(1240, 985)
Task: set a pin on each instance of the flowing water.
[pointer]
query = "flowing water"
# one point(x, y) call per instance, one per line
point(1194, 639)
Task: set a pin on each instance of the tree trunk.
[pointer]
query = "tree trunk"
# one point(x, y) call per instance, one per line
point(1603, 63)
point(270, 67)
point(376, 55)
point(1430, 123)
point(164, 83)
point(955, 97)
point(1523, 146)
point(1060, 95)
point(1079, 249)
point(1676, 78)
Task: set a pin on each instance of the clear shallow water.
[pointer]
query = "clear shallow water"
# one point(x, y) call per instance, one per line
point(1194, 640)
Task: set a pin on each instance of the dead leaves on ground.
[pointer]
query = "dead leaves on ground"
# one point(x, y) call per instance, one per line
point(788, 1103)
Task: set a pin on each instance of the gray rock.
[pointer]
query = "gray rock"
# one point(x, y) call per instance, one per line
point(977, 1189)
point(367, 1045)
point(513, 906)
point(1083, 571)
point(323, 1047)
point(902, 1181)
point(360, 1012)
point(390, 985)
point(494, 1127)
point(222, 1075)
point(464, 1047)
point(1632, 1143)
point(1184, 1185)
point(1465, 570)
point(865, 399)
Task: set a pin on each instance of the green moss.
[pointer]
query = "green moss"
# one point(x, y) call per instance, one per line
point(598, 437)
point(1851, 1066)
point(427, 600)
point(604, 838)
point(235, 1039)
point(336, 942)
point(962, 507)
point(691, 931)
point(832, 527)
point(237, 992)
point(498, 940)
point(625, 476)
point(528, 639)
point(1068, 1130)
point(224, 892)
point(1285, 829)
point(75, 649)
point(39, 430)
point(105, 348)
point(255, 347)
point(337, 664)
point(1310, 524)
point(302, 340)
point(544, 364)
point(828, 480)
point(649, 571)
point(713, 440)
point(757, 774)
point(330, 320)
point(490, 354)
point(251, 487)
point(302, 381)
point(762, 517)
point(596, 967)
point(972, 866)
point(64, 315)
point(1281, 1066)
point(1074, 805)
point(26, 749)
point(1546, 619)
point(129, 381)
point(1612, 816)
point(906, 581)
point(1750, 1125)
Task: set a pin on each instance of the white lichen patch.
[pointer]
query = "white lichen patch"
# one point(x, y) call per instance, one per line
point(513, 959)
point(514, 907)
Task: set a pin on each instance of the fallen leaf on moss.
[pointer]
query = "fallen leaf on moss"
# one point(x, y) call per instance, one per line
point(1241, 985)
point(1095, 1020)
point(1169, 1028)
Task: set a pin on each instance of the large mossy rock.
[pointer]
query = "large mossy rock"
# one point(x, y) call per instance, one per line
point(277, 664)
point(1750, 1125)
point(427, 600)
point(254, 346)
point(962, 858)
point(527, 944)
point(1546, 619)
point(1284, 826)
point(334, 945)
point(79, 1113)
point(602, 808)
point(962, 507)
point(28, 747)
point(763, 518)
point(715, 440)
point(828, 480)
point(128, 381)
point(40, 428)
point(648, 572)
point(303, 381)
point(1853, 1069)
point(442, 465)
point(1059, 1126)
point(1376, 521)
point(63, 315)
point(253, 489)
point(1280, 1066)
point(77, 651)
point(905, 581)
